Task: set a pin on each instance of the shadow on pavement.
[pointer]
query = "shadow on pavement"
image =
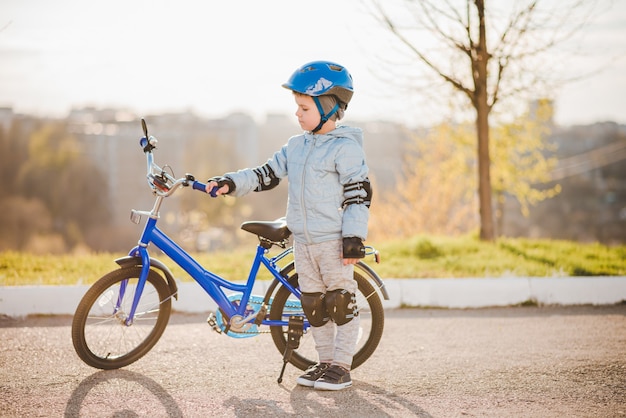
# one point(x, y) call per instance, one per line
point(111, 393)
point(361, 400)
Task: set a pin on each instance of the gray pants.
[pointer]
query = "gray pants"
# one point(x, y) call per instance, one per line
point(320, 269)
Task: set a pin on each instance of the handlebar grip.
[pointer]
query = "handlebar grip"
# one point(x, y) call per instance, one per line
point(196, 185)
point(202, 187)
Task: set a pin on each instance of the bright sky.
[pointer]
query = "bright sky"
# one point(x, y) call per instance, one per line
point(216, 57)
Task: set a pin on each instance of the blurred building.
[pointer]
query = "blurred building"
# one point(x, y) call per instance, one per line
point(6, 117)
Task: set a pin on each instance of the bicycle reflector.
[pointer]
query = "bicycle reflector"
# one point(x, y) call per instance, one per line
point(135, 217)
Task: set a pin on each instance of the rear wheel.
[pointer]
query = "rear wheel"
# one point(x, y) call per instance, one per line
point(101, 337)
point(371, 317)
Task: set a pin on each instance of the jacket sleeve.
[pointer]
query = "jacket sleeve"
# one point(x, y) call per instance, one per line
point(352, 168)
point(246, 180)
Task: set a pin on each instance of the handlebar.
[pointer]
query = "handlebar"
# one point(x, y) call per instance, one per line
point(161, 182)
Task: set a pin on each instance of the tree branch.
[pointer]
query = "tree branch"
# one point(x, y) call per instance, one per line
point(397, 33)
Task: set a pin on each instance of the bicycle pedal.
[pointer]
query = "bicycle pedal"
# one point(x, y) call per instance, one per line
point(260, 316)
point(211, 320)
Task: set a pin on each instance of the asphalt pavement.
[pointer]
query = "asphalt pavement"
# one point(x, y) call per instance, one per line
point(497, 362)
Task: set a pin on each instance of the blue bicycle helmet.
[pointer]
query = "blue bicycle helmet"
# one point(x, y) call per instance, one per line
point(323, 78)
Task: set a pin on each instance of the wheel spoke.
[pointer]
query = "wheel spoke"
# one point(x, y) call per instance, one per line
point(101, 335)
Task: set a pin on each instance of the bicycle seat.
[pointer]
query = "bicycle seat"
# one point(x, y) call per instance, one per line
point(274, 231)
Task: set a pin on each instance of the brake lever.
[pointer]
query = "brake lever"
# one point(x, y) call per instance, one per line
point(148, 143)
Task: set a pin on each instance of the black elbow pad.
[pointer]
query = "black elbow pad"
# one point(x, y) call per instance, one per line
point(267, 178)
point(364, 185)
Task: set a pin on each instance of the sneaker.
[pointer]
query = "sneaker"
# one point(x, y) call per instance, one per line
point(312, 374)
point(334, 378)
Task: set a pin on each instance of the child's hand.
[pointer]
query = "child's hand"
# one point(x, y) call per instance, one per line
point(347, 261)
point(218, 190)
point(353, 250)
point(217, 186)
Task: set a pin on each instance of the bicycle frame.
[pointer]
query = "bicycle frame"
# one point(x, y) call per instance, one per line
point(213, 284)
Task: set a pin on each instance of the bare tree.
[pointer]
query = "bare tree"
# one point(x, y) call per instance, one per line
point(486, 54)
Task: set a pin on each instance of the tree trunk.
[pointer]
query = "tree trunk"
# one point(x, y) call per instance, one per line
point(479, 64)
point(484, 176)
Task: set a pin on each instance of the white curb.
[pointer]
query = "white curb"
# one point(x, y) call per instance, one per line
point(442, 293)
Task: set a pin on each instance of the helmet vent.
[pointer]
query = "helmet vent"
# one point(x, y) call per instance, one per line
point(335, 67)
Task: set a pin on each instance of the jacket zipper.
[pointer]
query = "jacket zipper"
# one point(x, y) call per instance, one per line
point(304, 217)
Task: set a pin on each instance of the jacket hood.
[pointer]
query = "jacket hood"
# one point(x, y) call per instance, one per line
point(355, 134)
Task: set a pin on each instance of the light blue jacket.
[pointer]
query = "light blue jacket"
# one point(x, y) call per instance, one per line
point(318, 167)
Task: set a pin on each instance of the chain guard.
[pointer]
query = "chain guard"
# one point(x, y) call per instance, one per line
point(249, 329)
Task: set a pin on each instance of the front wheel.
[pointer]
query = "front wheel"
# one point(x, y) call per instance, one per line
point(371, 317)
point(100, 333)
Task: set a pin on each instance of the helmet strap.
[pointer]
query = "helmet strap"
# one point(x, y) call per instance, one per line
point(324, 117)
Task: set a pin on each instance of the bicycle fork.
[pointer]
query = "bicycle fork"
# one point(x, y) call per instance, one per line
point(142, 251)
point(145, 268)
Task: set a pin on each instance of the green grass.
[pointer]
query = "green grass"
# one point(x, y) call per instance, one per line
point(419, 257)
point(435, 257)
point(17, 269)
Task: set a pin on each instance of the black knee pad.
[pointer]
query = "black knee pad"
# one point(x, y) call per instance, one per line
point(314, 307)
point(341, 306)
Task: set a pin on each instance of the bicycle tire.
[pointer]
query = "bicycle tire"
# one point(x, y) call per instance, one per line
point(100, 336)
point(372, 319)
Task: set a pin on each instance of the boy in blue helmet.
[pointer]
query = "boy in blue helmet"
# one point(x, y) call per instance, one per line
point(327, 212)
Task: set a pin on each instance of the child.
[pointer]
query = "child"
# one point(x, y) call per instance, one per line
point(327, 212)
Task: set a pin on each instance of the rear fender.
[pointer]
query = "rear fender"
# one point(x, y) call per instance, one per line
point(373, 276)
point(129, 261)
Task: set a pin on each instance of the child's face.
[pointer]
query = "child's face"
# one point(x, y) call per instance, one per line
point(307, 113)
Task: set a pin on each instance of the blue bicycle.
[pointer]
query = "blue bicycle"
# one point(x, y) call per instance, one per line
point(123, 315)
